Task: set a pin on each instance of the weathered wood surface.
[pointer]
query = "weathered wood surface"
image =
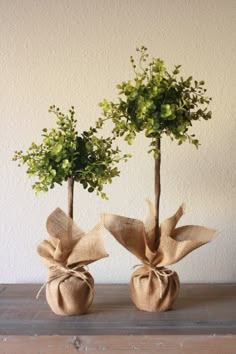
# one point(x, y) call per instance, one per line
point(200, 309)
point(158, 344)
point(203, 321)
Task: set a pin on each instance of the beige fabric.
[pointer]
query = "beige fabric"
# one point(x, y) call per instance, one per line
point(145, 290)
point(151, 291)
point(69, 289)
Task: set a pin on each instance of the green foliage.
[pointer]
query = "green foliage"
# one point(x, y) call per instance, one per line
point(89, 159)
point(156, 102)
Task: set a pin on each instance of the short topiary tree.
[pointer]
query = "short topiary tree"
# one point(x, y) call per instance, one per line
point(158, 103)
point(64, 155)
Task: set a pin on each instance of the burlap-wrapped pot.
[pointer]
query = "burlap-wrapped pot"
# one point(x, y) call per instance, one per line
point(70, 287)
point(152, 292)
point(69, 294)
point(153, 287)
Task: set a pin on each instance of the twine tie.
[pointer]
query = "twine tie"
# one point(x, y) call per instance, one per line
point(159, 272)
point(71, 271)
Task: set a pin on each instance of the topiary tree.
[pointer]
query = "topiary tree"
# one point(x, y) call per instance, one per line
point(64, 155)
point(158, 103)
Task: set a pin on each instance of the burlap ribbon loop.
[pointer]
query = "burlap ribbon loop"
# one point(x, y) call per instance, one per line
point(70, 287)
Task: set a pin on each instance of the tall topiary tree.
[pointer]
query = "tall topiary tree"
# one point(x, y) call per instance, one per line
point(64, 155)
point(158, 103)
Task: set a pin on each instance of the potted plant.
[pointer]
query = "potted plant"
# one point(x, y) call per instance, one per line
point(64, 155)
point(159, 103)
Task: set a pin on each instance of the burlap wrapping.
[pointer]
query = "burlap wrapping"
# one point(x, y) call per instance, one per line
point(153, 287)
point(70, 287)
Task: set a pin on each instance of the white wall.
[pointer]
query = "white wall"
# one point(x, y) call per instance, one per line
point(74, 52)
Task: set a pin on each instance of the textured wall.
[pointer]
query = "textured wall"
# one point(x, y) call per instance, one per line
point(74, 52)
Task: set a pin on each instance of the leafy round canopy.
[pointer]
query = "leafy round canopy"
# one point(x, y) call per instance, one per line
point(157, 102)
point(87, 158)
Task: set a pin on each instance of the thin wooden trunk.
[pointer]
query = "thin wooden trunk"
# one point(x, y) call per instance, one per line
point(70, 196)
point(157, 190)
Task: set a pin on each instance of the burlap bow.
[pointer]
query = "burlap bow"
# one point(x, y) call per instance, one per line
point(69, 289)
point(153, 287)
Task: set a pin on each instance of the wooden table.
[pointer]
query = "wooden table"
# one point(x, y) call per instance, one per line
point(203, 320)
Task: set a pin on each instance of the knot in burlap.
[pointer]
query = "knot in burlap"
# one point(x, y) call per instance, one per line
point(78, 271)
point(58, 270)
point(158, 271)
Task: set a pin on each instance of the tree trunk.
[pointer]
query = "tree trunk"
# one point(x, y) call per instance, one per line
point(157, 191)
point(70, 196)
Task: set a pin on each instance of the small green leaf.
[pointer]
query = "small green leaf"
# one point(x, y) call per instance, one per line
point(65, 163)
point(56, 149)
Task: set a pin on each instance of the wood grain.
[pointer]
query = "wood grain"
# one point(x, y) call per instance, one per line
point(200, 309)
point(203, 320)
point(161, 344)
